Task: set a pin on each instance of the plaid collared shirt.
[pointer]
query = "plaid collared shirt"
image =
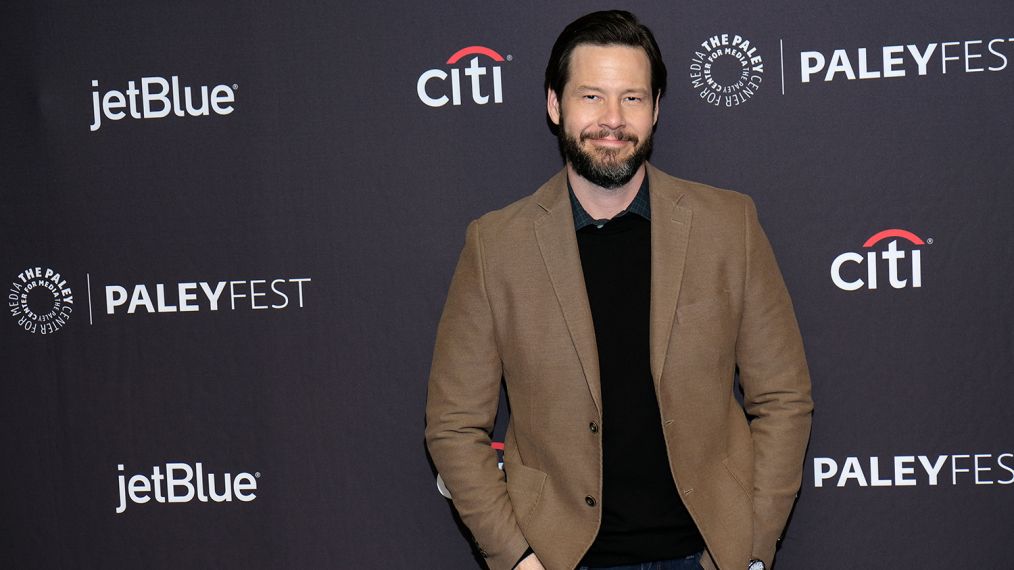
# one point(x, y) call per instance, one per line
point(641, 206)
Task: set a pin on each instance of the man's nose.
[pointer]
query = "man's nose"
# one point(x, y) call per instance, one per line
point(612, 115)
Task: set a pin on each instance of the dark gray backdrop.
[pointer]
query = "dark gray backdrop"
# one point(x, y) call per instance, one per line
point(331, 169)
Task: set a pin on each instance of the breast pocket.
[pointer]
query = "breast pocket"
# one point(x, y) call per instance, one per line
point(704, 308)
point(705, 335)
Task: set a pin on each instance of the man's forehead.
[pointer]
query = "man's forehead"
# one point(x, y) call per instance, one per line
point(591, 63)
point(594, 51)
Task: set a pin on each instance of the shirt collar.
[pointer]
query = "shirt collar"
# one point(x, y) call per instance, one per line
point(641, 205)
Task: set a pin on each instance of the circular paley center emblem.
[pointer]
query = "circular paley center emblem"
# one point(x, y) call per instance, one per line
point(726, 70)
point(40, 300)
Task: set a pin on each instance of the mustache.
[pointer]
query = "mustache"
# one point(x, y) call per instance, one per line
point(618, 134)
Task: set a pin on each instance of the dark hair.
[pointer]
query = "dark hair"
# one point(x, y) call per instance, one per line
point(611, 27)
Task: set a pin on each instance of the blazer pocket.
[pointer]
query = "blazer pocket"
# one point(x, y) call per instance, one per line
point(524, 487)
point(706, 308)
point(740, 467)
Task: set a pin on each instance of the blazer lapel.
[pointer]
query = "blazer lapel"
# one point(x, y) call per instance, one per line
point(670, 232)
point(554, 230)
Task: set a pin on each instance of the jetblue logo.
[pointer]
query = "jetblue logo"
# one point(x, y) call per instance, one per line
point(158, 97)
point(183, 483)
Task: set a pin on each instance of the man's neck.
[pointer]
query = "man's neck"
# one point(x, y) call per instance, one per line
point(604, 203)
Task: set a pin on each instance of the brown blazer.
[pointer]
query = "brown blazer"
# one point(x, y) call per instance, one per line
point(517, 309)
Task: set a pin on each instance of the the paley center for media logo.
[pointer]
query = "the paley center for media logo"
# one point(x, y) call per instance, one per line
point(726, 70)
point(439, 86)
point(853, 270)
point(158, 97)
point(41, 300)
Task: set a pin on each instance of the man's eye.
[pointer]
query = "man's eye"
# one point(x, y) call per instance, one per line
point(591, 97)
point(634, 99)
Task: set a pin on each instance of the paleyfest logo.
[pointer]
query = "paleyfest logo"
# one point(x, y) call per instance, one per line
point(911, 60)
point(912, 470)
point(432, 84)
point(194, 296)
point(727, 70)
point(40, 300)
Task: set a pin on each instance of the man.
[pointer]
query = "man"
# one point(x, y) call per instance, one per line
point(616, 304)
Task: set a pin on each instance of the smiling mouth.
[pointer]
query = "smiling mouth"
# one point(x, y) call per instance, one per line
point(610, 139)
point(612, 143)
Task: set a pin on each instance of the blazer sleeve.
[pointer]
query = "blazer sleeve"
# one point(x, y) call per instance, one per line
point(776, 388)
point(462, 400)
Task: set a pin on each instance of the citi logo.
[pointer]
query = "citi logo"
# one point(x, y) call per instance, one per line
point(181, 483)
point(432, 84)
point(157, 97)
point(841, 267)
point(442, 487)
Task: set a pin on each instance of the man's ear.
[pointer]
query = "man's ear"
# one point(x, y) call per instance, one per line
point(658, 99)
point(553, 106)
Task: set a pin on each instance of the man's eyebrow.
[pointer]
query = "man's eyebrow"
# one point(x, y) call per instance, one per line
point(594, 88)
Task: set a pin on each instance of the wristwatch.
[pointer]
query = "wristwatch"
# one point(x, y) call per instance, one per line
point(756, 565)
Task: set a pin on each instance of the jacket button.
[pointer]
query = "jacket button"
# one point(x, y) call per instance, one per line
point(594, 427)
point(590, 501)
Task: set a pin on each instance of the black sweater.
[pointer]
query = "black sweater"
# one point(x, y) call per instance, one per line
point(643, 517)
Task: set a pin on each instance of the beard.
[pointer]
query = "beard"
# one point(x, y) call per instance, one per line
point(603, 166)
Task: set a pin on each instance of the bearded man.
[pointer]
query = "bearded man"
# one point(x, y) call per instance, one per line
point(616, 304)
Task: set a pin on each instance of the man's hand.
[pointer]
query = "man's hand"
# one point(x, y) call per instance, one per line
point(531, 562)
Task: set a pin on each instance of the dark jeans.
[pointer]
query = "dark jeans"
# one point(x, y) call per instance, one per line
point(692, 562)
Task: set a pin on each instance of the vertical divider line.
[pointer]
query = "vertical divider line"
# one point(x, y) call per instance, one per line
point(89, 277)
point(781, 56)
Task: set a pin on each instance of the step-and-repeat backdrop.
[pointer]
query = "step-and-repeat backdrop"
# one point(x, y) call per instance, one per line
point(227, 230)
